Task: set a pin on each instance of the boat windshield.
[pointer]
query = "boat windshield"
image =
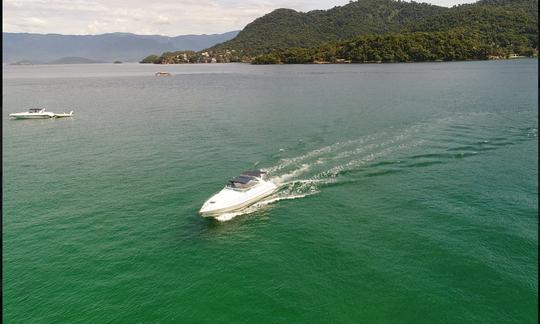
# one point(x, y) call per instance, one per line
point(35, 109)
point(242, 182)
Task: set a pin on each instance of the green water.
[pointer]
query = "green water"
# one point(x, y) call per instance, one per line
point(408, 194)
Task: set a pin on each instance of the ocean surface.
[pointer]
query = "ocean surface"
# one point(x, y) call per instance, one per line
point(408, 193)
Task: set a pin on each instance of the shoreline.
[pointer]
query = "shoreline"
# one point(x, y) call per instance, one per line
point(350, 62)
point(249, 63)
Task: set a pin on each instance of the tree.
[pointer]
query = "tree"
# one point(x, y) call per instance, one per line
point(150, 59)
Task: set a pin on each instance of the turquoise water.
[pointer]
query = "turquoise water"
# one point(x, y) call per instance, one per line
point(408, 193)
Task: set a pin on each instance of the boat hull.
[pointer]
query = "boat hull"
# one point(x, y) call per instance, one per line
point(41, 114)
point(31, 116)
point(63, 115)
point(239, 204)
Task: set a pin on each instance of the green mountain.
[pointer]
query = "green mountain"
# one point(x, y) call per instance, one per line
point(501, 23)
point(379, 31)
point(285, 28)
point(498, 23)
point(454, 45)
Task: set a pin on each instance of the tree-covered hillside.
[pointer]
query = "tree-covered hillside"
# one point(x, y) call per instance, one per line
point(380, 31)
point(285, 28)
point(501, 22)
point(453, 45)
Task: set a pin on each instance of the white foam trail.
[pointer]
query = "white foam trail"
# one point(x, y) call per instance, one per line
point(226, 217)
point(302, 181)
point(335, 171)
point(320, 151)
point(290, 187)
point(357, 151)
point(279, 180)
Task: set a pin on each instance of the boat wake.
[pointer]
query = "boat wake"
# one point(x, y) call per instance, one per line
point(386, 152)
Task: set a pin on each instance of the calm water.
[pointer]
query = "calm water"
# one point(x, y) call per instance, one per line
point(408, 194)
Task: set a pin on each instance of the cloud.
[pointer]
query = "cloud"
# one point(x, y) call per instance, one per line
point(32, 22)
point(162, 20)
point(144, 17)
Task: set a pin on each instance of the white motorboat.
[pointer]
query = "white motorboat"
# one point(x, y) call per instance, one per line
point(240, 192)
point(33, 113)
point(39, 113)
point(64, 114)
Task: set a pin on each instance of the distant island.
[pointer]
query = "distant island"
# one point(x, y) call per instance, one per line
point(63, 60)
point(125, 47)
point(74, 60)
point(26, 62)
point(379, 31)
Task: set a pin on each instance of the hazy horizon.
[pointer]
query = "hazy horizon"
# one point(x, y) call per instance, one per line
point(110, 33)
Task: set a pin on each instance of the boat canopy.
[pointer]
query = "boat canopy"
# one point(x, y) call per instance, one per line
point(245, 180)
point(241, 179)
point(35, 109)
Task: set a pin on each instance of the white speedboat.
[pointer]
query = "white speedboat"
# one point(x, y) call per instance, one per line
point(240, 192)
point(33, 113)
point(39, 113)
point(62, 115)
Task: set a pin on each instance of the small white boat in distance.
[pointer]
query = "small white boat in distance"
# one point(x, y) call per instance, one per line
point(163, 74)
point(33, 113)
point(62, 115)
point(240, 192)
point(39, 113)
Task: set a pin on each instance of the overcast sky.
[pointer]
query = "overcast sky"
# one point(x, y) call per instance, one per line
point(163, 17)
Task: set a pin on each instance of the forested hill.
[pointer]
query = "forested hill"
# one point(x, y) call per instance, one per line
point(497, 22)
point(285, 28)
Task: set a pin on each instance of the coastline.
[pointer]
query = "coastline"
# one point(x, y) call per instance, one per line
point(351, 62)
